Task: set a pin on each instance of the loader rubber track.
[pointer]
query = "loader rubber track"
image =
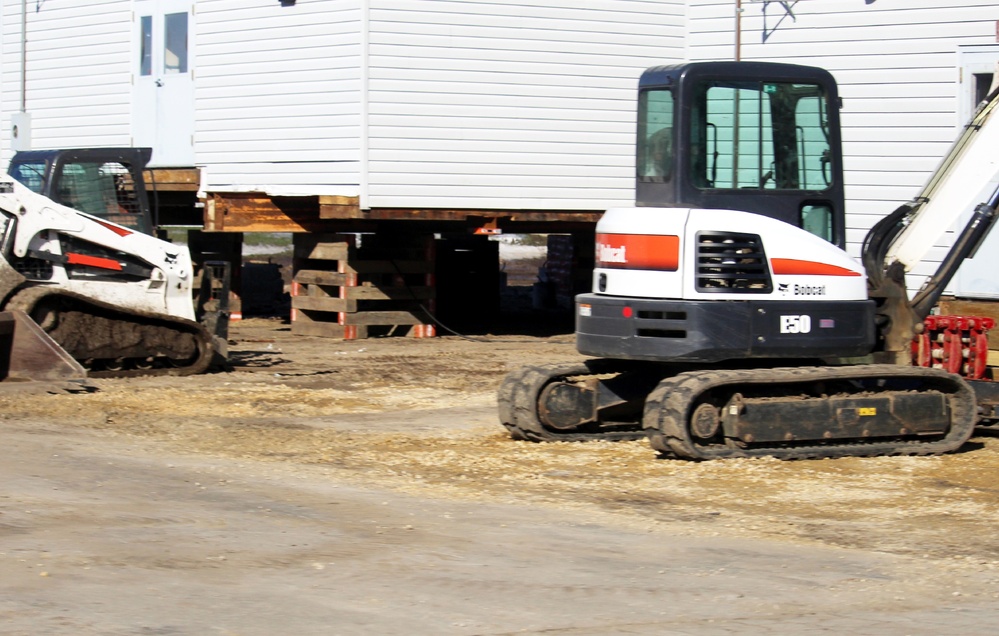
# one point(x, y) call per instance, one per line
point(113, 342)
point(670, 407)
point(517, 402)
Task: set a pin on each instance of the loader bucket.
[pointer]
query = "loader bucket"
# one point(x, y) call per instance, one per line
point(28, 353)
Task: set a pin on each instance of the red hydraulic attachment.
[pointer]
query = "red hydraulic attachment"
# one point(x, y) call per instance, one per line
point(957, 344)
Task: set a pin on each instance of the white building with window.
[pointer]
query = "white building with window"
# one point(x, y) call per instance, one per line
point(427, 103)
point(467, 104)
point(910, 73)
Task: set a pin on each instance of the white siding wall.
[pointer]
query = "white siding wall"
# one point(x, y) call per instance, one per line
point(510, 104)
point(278, 96)
point(79, 72)
point(468, 104)
point(897, 68)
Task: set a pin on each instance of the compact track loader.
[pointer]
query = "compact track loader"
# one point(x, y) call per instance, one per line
point(85, 289)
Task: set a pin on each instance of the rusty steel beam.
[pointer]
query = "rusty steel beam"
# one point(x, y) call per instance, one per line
point(259, 212)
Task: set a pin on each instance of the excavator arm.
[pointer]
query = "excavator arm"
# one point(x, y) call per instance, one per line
point(966, 180)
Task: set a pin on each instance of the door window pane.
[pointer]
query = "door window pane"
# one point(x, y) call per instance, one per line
point(175, 43)
point(983, 82)
point(146, 45)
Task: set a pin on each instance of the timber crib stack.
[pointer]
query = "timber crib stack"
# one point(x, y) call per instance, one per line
point(359, 285)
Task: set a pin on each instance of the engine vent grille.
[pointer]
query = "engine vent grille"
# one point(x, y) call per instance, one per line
point(732, 262)
point(33, 268)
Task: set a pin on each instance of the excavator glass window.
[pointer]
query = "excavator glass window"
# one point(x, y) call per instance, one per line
point(655, 136)
point(817, 218)
point(759, 136)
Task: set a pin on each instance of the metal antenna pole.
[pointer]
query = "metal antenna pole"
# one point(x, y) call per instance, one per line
point(738, 30)
point(24, 56)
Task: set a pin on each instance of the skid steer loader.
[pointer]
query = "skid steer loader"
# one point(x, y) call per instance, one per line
point(85, 288)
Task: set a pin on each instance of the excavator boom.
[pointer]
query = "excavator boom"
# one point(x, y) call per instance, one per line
point(967, 176)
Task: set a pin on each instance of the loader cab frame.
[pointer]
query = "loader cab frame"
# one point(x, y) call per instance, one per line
point(760, 137)
point(107, 183)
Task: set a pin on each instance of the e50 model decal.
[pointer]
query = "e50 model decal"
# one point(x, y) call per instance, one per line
point(796, 324)
point(638, 251)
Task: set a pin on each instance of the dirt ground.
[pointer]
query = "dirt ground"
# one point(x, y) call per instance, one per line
point(416, 417)
point(316, 401)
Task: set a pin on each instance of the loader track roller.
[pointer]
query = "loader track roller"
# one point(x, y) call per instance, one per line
point(810, 412)
point(112, 342)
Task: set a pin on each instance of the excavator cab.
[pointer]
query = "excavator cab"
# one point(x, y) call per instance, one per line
point(753, 136)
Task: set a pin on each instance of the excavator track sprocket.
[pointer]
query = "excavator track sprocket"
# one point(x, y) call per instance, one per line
point(114, 342)
point(529, 399)
point(810, 412)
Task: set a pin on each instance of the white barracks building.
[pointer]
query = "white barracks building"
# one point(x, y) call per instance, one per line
point(457, 109)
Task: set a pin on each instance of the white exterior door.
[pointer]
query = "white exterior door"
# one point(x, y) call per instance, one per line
point(163, 90)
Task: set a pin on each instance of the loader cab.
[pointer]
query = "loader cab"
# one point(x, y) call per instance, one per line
point(760, 137)
point(104, 182)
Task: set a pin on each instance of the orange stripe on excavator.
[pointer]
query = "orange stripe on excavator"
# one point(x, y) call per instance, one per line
point(92, 261)
point(794, 267)
point(638, 251)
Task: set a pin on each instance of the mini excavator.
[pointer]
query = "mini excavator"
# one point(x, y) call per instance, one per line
point(726, 318)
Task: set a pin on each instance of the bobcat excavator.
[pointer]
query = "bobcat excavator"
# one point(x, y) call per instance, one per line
point(85, 289)
point(726, 320)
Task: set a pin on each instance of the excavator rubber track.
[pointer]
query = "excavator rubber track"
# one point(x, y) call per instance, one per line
point(788, 413)
point(112, 342)
point(810, 412)
point(521, 409)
